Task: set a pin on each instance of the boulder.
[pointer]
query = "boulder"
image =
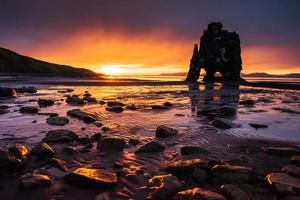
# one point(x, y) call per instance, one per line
point(189, 150)
point(35, 180)
point(131, 107)
point(59, 164)
point(222, 124)
point(198, 194)
point(281, 151)
point(7, 92)
point(58, 121)
point(165, 131)
point(293, 170)
point(112, 143)
point(183, 167)
point(8, 162)
point(29, 110)
point(151, 147)
point(90, 99)
point(235, 174)
point(30, 90)
point(85, 116)
point(234, 192)
point(60, 135)
point(74, 100)
point(91, 178)
point(20, 151)
point(43, 150)
point(45, 102)
point(164, 186)
point(284, 184)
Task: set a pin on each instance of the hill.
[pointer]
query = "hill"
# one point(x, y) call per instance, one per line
point(14, 63)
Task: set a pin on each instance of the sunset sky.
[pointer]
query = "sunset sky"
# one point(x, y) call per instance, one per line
point(149, 36)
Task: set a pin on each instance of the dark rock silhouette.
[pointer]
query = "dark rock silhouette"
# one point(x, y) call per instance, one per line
point(219, 52)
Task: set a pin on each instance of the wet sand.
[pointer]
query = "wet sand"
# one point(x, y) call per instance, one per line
point(242, 144)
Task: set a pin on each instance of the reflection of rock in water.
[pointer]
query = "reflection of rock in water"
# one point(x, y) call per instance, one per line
point(215, 100)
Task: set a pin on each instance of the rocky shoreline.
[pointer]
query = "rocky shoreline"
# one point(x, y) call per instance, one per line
point(97, 160)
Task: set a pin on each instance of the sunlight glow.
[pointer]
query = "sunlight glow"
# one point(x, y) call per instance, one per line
point(110, 69)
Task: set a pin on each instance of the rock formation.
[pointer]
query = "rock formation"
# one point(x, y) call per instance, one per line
point(219, 52)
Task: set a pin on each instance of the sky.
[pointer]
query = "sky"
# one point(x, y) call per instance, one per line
point(149, 36)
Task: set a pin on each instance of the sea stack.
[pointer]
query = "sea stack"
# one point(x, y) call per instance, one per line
point(219, 51)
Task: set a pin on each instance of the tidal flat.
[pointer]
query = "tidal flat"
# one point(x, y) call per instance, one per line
point(149, 140)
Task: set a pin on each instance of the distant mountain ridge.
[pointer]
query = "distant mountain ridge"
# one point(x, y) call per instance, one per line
point(14, 63)
point(256, 74)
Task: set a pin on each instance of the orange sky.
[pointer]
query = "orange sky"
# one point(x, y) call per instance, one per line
point(150, 53)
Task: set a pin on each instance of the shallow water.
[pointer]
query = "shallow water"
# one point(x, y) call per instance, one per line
point(141, 124)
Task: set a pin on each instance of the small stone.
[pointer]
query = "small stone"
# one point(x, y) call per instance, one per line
point(256, 126)
point(92, 178)
point(133, 141)
point(3, 111)
point(281, 151)
point(189, 150)
point(57, 163)
point(102, 102)
point(159, 107)
point(105, 129)
point(248, 102)
point(168, 104)
point(31, 90)
point(234, 192)
point(222, 124)
point(31, 181)
point(58, 121)
point(112, 143)
point(117, 109)
point(98, 124)
point(29, 109)
point(283, 183)
point(74, 100)
point(115, 103)
point(131, 107)
point(151, 147)
point(43, 150)
point(90, 99)
point(7, 92)
point(45, 102)
point(198, 194)
point(65, 91)
point(60, 135)
point(165, 131)
point(85, 116)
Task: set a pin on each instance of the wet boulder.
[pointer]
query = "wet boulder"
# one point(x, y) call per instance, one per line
point(20, 151)
point(184, 167)
point(165, 131)
point(115, 103)
point(198, 194)
point(151, 147)
point(8, 162)
point(131, 107)
point(164, 186)
point(59, 164)
point(90, 99)
point(281, 151)
point(29, 110)
point(112, 143)
point(45, 102)
point(284, 184)
point(30, 90)
point(222, 123)
point(58, 121)
point(60, 135)
point(189, 150)
point(74, 100)
point(234, 192)
point(85, 116)
point(92, 178)
point(32, 181)
point(7, 92)
point(117, 109)
point(43, 150)
point(232, 174)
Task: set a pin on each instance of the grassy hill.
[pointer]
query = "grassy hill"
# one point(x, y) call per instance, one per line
point(14, 63)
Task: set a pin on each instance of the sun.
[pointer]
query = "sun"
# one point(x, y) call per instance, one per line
point(111, 69)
